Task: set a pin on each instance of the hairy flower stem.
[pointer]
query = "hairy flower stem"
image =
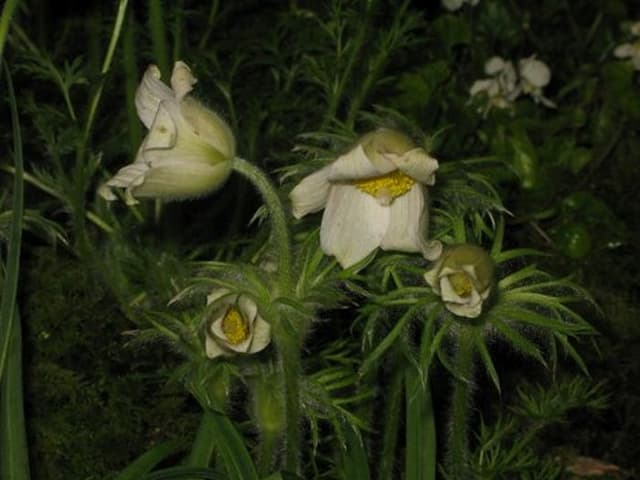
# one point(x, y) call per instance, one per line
point(458, 465)
point(279, 228)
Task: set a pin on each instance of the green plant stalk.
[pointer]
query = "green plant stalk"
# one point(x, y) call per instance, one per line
point(279, 227)
point(292, 370)
point(5, 20)
point(420, 451)
point(80, 182)
point(458, 449)
point(391, 425)
point(131, 83)
point(177, 30)
point(159, 36)
point(268, 442)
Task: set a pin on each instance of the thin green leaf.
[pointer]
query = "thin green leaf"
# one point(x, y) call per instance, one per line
point(231, 447)
point(517, 340)
point(10, 283)
point(384, 345)
point(184, 473)
point(355, 462)
point(148, 460)
point(420, 452)
point(487, 361)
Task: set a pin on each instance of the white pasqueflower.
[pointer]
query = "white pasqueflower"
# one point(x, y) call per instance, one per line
point(631, 50)
point(501, 89)
point(534, 76)
point(234, 326)
point(373, 196)
point(188, 151)
point(453, 5)
point(463, 277)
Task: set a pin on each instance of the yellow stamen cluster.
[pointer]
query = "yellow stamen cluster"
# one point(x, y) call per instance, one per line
point(394, 185)
point(461, 284)
point(234, 327)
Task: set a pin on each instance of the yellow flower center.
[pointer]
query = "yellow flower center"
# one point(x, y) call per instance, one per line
point(393, 185)
point(461, 284)
point(234, 327)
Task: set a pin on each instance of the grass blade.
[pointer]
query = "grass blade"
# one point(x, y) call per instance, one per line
point(148, 460)
point(14, 457)
point(10, 284)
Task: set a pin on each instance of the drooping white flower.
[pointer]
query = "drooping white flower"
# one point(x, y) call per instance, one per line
point(234, 326)
point(188, 150)
point(463, 277)
point(373, 196)
point(631, 50)
point(501, 89)
point(534, 76)
point(453, 5)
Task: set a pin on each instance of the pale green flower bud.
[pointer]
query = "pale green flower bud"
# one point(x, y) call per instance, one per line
point(188, 151)
point(464, 277)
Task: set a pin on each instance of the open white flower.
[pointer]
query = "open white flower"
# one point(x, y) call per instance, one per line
point(234, 326)
point(453, 5)
point(373, 196)
point(534, 76)
point(463, 277)
point(631, 50)
point(501, 89)
point(188, 151)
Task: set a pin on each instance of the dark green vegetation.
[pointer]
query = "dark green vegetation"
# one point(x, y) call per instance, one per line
point(110, 370)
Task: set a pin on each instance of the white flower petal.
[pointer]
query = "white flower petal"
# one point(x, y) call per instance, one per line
point(623, 51)
point(261, 335)
point(417, 164)
point(447, 292)
point(149, 94)
point(452, 5)
point(432, 276)
point(355, 165)
point(163, 132)
point(407, 222)
point(219, 293)
point(465, 310)
point(310, 195)
point(176, 179)
point(353, 224)
point(494, 65)
point(535, 72)
point(487, 85)
point(213, 349)
point(182, 81)
point(248, 308)
point(209, 126)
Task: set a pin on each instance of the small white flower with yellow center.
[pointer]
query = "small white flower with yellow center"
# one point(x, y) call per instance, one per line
point(463, 277)
point(188, 151)
point(234, 326)
point(501, 88)
point(373, 196)
point(534, 76)
point(631, 50)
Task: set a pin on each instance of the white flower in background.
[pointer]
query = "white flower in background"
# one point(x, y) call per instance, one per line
point(505, 84)
point(501, 88)
point(453, 5)
point(463, 277)
point(373, 196)
point(631, 50)
point(234, 326)
point(534, 76)
point(188, 150)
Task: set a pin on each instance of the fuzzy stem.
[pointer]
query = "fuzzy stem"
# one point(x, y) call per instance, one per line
point(268, 442)
point(292, 369)
point(279, 228)
point(458, 451)
point(390, 438)
point(157, 17)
